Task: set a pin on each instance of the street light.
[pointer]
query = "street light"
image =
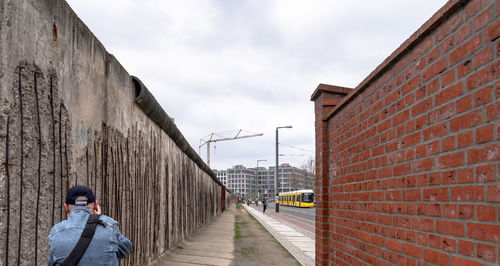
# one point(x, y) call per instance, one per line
point(276, 183)
point(257, 181)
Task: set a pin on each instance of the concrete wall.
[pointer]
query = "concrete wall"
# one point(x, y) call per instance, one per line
point(68, 116)
point(408, 161)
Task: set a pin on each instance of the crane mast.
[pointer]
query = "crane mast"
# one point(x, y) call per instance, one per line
point(212, 139)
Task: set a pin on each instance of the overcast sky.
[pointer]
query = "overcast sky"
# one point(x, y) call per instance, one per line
point(222, 65)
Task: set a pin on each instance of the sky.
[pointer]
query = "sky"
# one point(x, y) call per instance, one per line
point(225, 65)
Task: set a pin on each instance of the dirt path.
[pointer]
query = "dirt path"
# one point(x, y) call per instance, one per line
point(254, 245)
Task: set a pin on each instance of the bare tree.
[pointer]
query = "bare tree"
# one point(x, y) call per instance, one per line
point(309, 171)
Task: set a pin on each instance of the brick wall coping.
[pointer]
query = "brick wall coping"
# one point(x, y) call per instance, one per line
point(438, 18)
point(329, 88)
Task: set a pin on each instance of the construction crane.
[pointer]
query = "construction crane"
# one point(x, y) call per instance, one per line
point(210, 138)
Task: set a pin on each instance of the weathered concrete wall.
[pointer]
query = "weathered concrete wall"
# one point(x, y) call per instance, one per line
point(67, 116)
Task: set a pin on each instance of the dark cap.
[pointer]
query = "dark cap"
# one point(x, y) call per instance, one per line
point(79, 191)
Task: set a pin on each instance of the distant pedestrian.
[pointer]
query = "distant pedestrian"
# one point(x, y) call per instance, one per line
point(264, 204)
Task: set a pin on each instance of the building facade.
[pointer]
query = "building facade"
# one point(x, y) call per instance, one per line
point(259, 182)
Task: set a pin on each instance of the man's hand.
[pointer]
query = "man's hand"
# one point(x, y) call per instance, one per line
point(97, 208)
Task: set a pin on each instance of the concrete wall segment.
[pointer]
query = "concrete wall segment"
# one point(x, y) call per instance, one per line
point(67, 116)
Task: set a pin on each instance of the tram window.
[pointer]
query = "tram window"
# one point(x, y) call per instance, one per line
point(293, 199)
point(308, 197)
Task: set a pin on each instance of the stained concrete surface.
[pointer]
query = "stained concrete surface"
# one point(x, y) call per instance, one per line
point(67, 117)
point(211, 245)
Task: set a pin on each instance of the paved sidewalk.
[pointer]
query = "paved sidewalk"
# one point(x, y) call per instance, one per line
point(297, 243)
point(213, 244)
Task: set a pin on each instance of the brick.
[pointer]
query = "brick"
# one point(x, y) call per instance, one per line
point(464, 68)
point(448, 77)
point(466, 248)
point(468, 193)
point(421, 238)
point(485, 173)
point(412, 250)
point(483, 19)
point(448, 144)
point(493, 193)
point(401, 221)
point(473, 7)
point(435, 131)
point(465, 211)
point(458, 261)
point(493, 111)
point(435, 194)
point(466, 121)
point(484, 232)
point(482, 96)
point(484, 56)
point(486, 213)
point(484, 154)
point(448, 44)
point(394, 245)
point(482, 76)
point(434, 69)
point(486, 252)
point(450, 211)
point(450, 228)
point(450, 160)
point(412, 195)
point(448, 244)
point(465, 49)
point(422, 165)
point(448, 94)
point(434, 209)
point(435, 241)
point(435, 257)
point(449, 177)
point(463, 33)
point(493, 31)
point(465, 139)
point(422, 224)
point(464, 104)
point(484, 134)
point(400, 118)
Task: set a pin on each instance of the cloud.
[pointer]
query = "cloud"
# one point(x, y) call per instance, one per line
point(227, 65)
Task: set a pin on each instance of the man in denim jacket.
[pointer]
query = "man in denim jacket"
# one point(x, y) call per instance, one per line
point(108, 244)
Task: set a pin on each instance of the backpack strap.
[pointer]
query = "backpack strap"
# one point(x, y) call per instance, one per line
point(84, 241)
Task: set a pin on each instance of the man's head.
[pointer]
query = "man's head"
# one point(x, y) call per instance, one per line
point(80, 196)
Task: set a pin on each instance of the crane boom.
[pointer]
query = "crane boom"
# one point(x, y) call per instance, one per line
point(211, 139)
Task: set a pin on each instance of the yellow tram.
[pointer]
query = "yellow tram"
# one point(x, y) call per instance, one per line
point(299, 198)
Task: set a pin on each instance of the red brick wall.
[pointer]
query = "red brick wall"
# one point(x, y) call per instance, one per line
point(408, 163)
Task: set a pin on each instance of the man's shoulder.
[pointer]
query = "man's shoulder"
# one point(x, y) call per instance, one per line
point(62, 226)
point(107, 220)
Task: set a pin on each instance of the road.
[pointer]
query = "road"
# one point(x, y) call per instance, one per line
point(306, 213)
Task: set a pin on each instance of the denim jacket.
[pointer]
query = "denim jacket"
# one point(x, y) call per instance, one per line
point(107, 246)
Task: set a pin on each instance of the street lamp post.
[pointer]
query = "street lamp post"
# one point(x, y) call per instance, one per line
point(276, 182)
point(257, 180)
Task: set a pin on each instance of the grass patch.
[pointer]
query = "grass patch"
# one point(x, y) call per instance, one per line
point(261, 227)
point(237, 227)
point(180, 247)
point(246, 251)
